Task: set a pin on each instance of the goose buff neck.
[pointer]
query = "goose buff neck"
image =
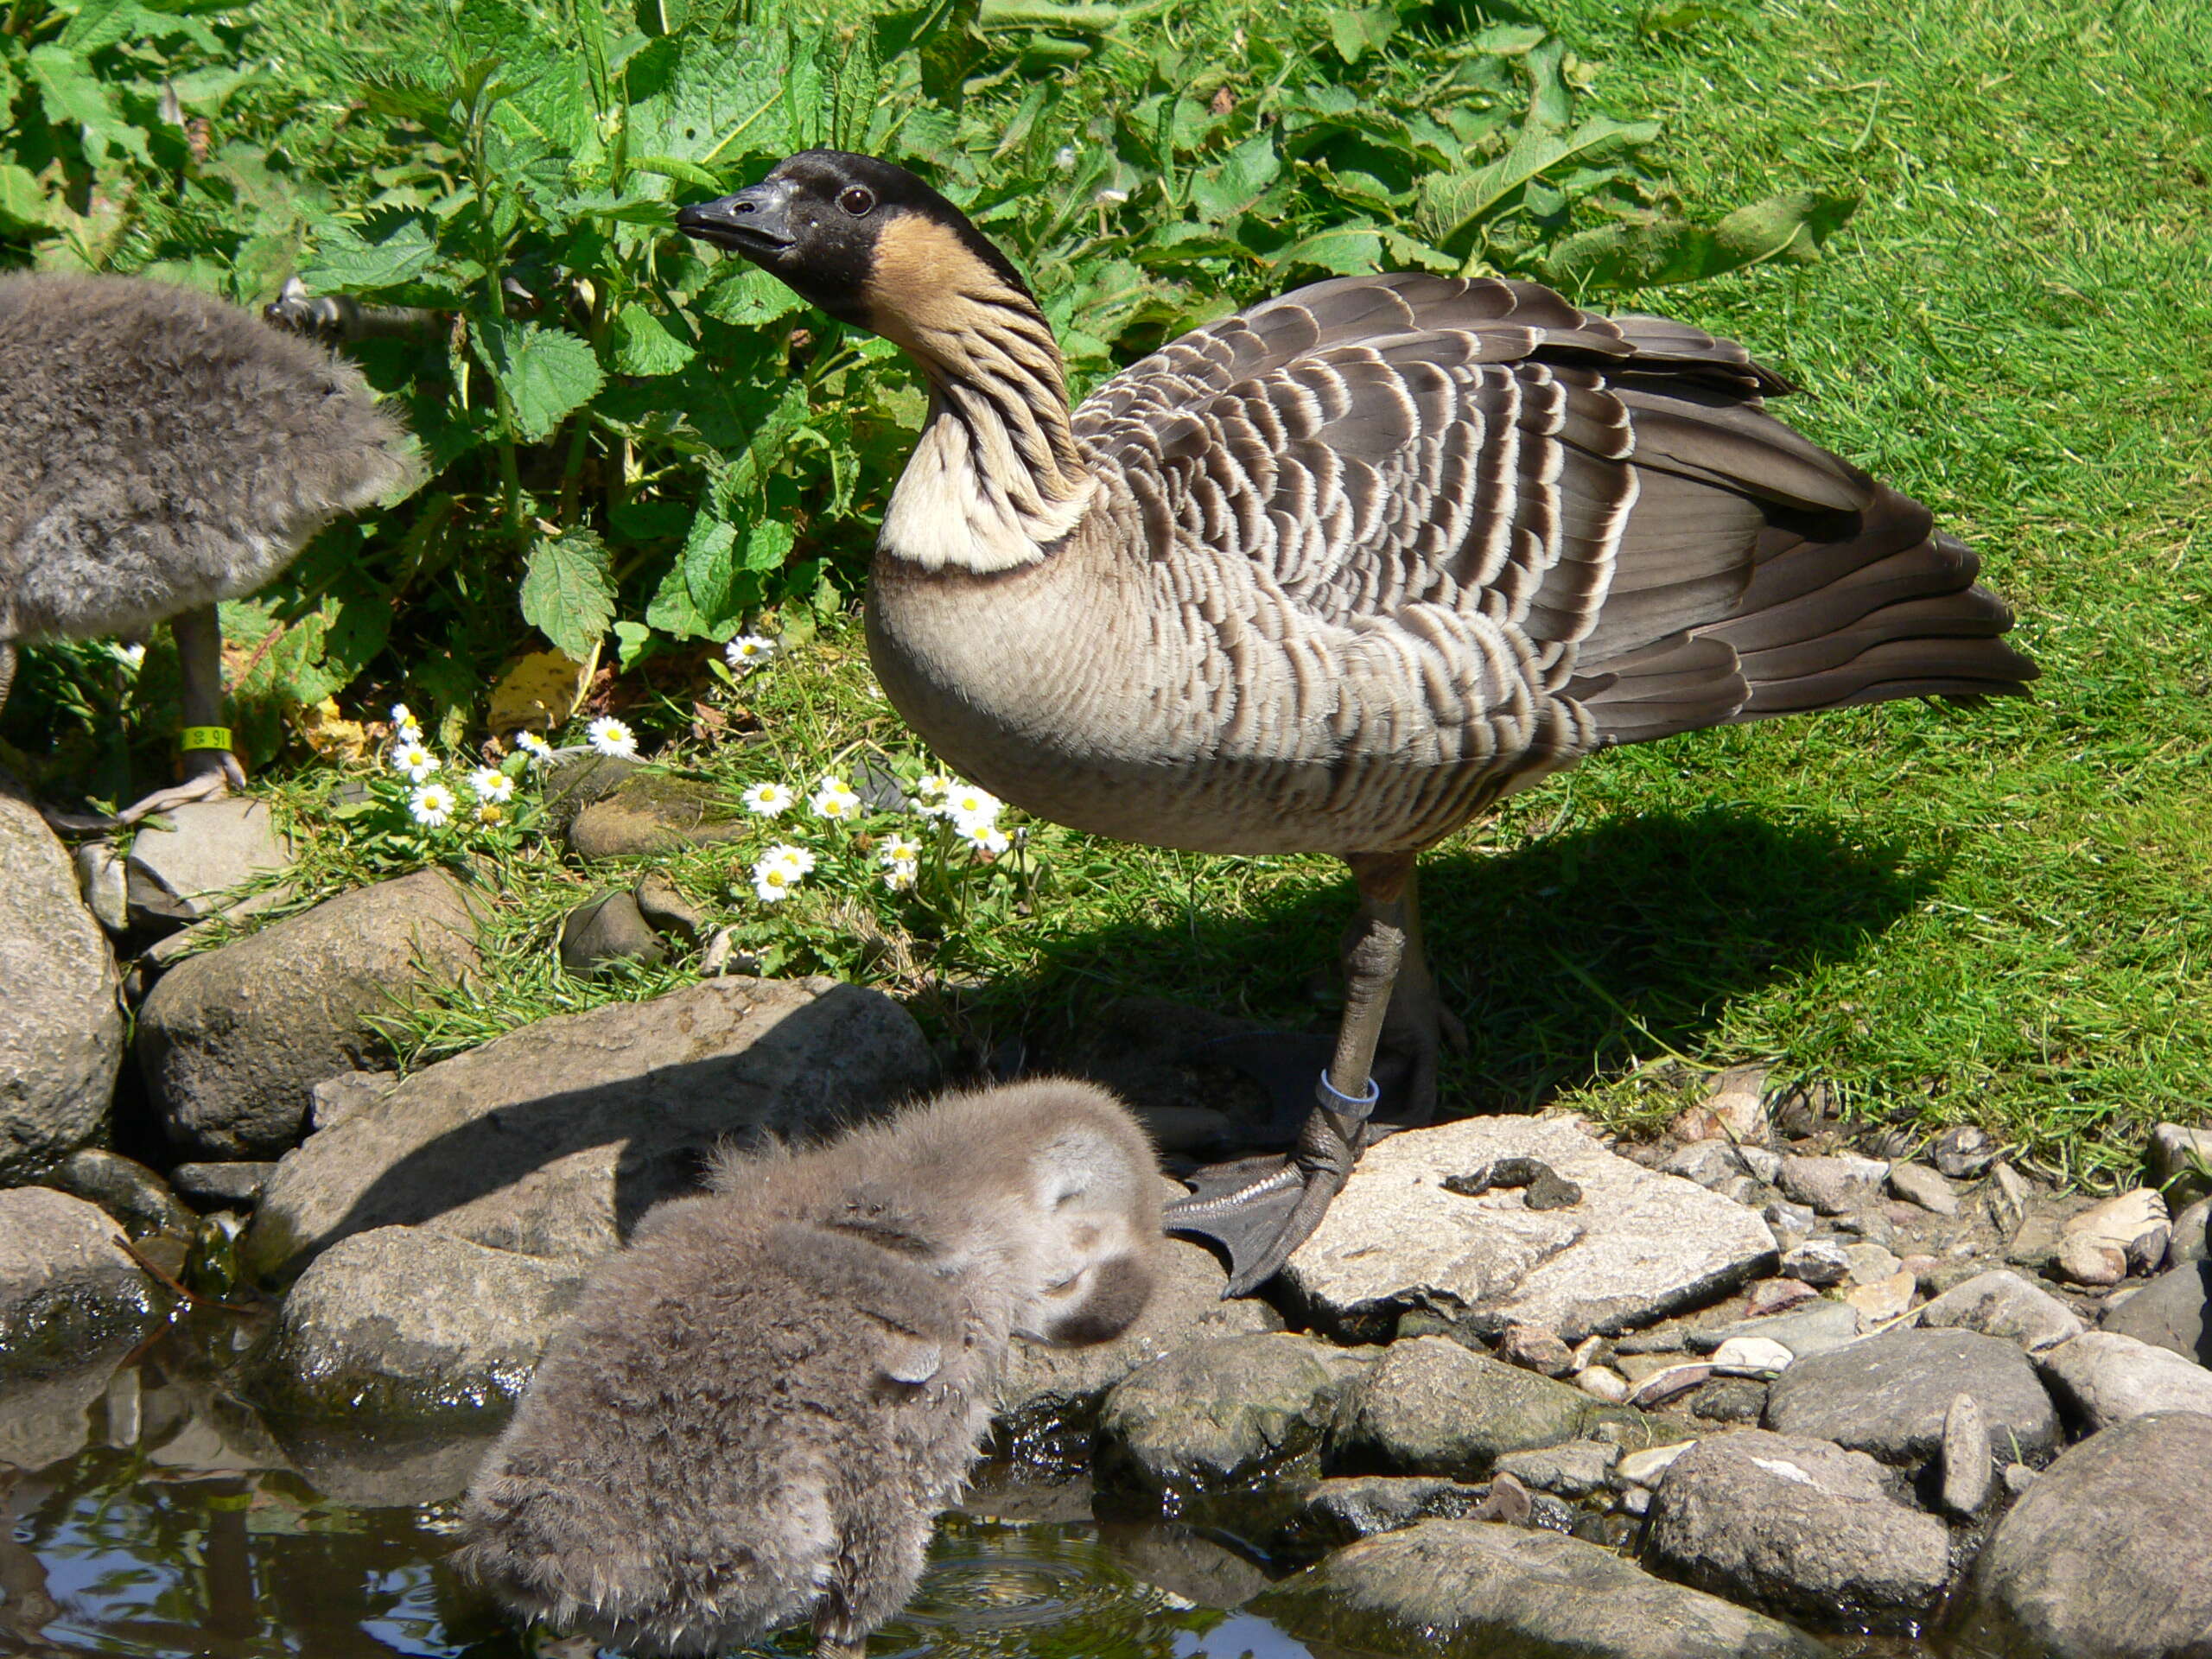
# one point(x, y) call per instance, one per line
point(995, 479)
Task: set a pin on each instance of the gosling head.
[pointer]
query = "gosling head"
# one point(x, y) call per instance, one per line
point(1092, 1217)
point(869, 242)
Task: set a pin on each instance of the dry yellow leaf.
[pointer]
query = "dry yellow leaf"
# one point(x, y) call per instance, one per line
point(540, 692)
point(328, 733)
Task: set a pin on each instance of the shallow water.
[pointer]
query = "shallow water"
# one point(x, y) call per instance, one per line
point(144, 1512)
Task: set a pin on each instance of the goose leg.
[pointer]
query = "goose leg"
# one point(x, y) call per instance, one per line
point(1262, 1211)
point(211, 772)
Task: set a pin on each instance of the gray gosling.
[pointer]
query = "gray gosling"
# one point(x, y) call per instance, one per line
point(161, 450)
point(757, 1409)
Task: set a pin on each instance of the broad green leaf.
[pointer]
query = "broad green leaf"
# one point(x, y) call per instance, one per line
point(547, 373)
point(567, 589)
point(1508, 40)
point(345, 262)
point(1355, 34)
point(767, 546)
point(643, 345)
point(1652, 254)
point(99, 23)
point(707, 591)
point(22, 204)
point(673, 167)
point(73, 97)
point(748, 297)
point(1455, 206)
point(1243, 176)
point(1353, 250)
point(700, 99)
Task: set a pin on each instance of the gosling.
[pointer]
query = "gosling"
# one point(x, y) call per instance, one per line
point(161, 450)
point(756, 1410)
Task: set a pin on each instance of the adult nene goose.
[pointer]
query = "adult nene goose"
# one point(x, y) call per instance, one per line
point(159, 451)
point(1340, 572)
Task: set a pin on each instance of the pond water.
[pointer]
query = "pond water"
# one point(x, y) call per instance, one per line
point(145, 1511)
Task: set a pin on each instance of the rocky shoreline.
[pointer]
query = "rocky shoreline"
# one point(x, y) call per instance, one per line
point(1723, 1392)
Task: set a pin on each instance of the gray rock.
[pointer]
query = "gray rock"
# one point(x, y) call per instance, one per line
point(1777, 1296)
point(2008, 1195)
point(1888, 1395)
point(1635, 1247)
point(1964, 1151)
point(1535, 1349)
point(2084, 1260)
point(1471, 1590)
point(2000, 1303)
point(1868, 1264)
point(67, 1285)
point(1918, 1184)
point(232, 1042)
point(1574, 1469)
point(2108, 1379)
point(2181, 1158)
point(1968, 1466)
point(191, 861)
point(333, 1097)
point(1214, 1415)
point(1333, 1513)
point(667, 910)
point(1834, 1185)
point(2189, 1226)
point(1432, 1407)
point(2134, 1222)
point(1730, 1400)
point(605, 930)
point(578, 779)
point(2018, 1477)
point(653, 812)
point(62, 1040)
point(231, 1185)
point(2170, 1311)
point(409, 1326)
point(105, 885)
point(126, 1189)
point(2103, 1556)
point(554, 1139)
point(1817, 1327)
point(1791, 1222)
point(1711, 1164)
point(1796, 1524)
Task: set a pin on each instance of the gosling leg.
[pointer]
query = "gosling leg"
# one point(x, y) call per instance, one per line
point(209, 773)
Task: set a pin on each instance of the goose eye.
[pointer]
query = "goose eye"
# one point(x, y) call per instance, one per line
point(856, 200)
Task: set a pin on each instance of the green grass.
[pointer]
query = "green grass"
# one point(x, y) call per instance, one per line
point(2001, 914)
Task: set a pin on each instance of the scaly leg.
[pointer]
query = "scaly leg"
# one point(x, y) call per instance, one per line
point(1262, 1213)
point(833, 1637)
point(209, 774)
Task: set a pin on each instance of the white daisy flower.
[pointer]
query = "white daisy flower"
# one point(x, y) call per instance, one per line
point(533, 746)
point(417, 762)
point(491, 812)
point(898, 874)
point(610, 736)
point(930, 789)
point(749, 652)
point(402, 716)
point(491, 784)
point(983, 836)
point(900, 850)
point(778, 870)
point(834, 798)
point(131, 657)
point(432, 805)
point(767, 800)
point(965, 804)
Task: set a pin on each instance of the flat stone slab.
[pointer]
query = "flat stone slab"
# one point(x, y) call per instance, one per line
point(2108, 1379)
point(1635, 1247)
point(184, 862)
point(553, 1140)
point(2104, 1556)
point(1476, 1590)
point(1799, 1525)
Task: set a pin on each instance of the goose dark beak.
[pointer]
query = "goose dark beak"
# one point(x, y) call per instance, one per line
point(755, 222)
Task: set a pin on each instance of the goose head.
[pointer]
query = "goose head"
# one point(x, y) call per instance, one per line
point(865, 240)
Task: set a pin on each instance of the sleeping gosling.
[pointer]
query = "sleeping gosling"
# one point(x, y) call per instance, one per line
point(755, 1411)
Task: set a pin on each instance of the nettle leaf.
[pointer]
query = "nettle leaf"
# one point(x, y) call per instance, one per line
point(73, 97)
point(99, 24)
point(547, 373)
point(1351, 250)
point(747, 298)
point(1455, 206)
point(567, 589)
point(710, 588)
point(643, 345)
point(1243, 177)
point(701, 100)
point(1652, 254)
point(22, 204)
point(346, 263)
point(1355, 34)
point(767, 546)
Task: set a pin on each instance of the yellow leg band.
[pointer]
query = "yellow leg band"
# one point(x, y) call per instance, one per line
point(206, 737)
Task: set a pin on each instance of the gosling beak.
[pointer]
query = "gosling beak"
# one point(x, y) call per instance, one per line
point(755, 222)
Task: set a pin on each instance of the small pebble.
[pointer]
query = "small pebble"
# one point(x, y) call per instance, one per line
point(1963, 1153)
point(1794, 1221)
point(1535, 1349)
point(1777, 1296)
point(1869, 1263)
point(1818, 1261)
point(1643, 1468)
point(2086, 1260)
point(1752, 1356)
point(1636, 1500)
point(1882, 1300)
point(1966, 1470)
point(1664, 1385)
point(1918, 1184)
point(1602, 1383)
point(2018, 1477)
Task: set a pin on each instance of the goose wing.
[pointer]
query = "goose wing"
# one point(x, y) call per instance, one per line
point(1582, 502)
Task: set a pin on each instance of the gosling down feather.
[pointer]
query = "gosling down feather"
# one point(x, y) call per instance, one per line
point(756, 1410)
point(161, 450)
point(1340, 572)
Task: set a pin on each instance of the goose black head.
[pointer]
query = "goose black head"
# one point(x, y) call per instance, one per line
point(862, 239)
